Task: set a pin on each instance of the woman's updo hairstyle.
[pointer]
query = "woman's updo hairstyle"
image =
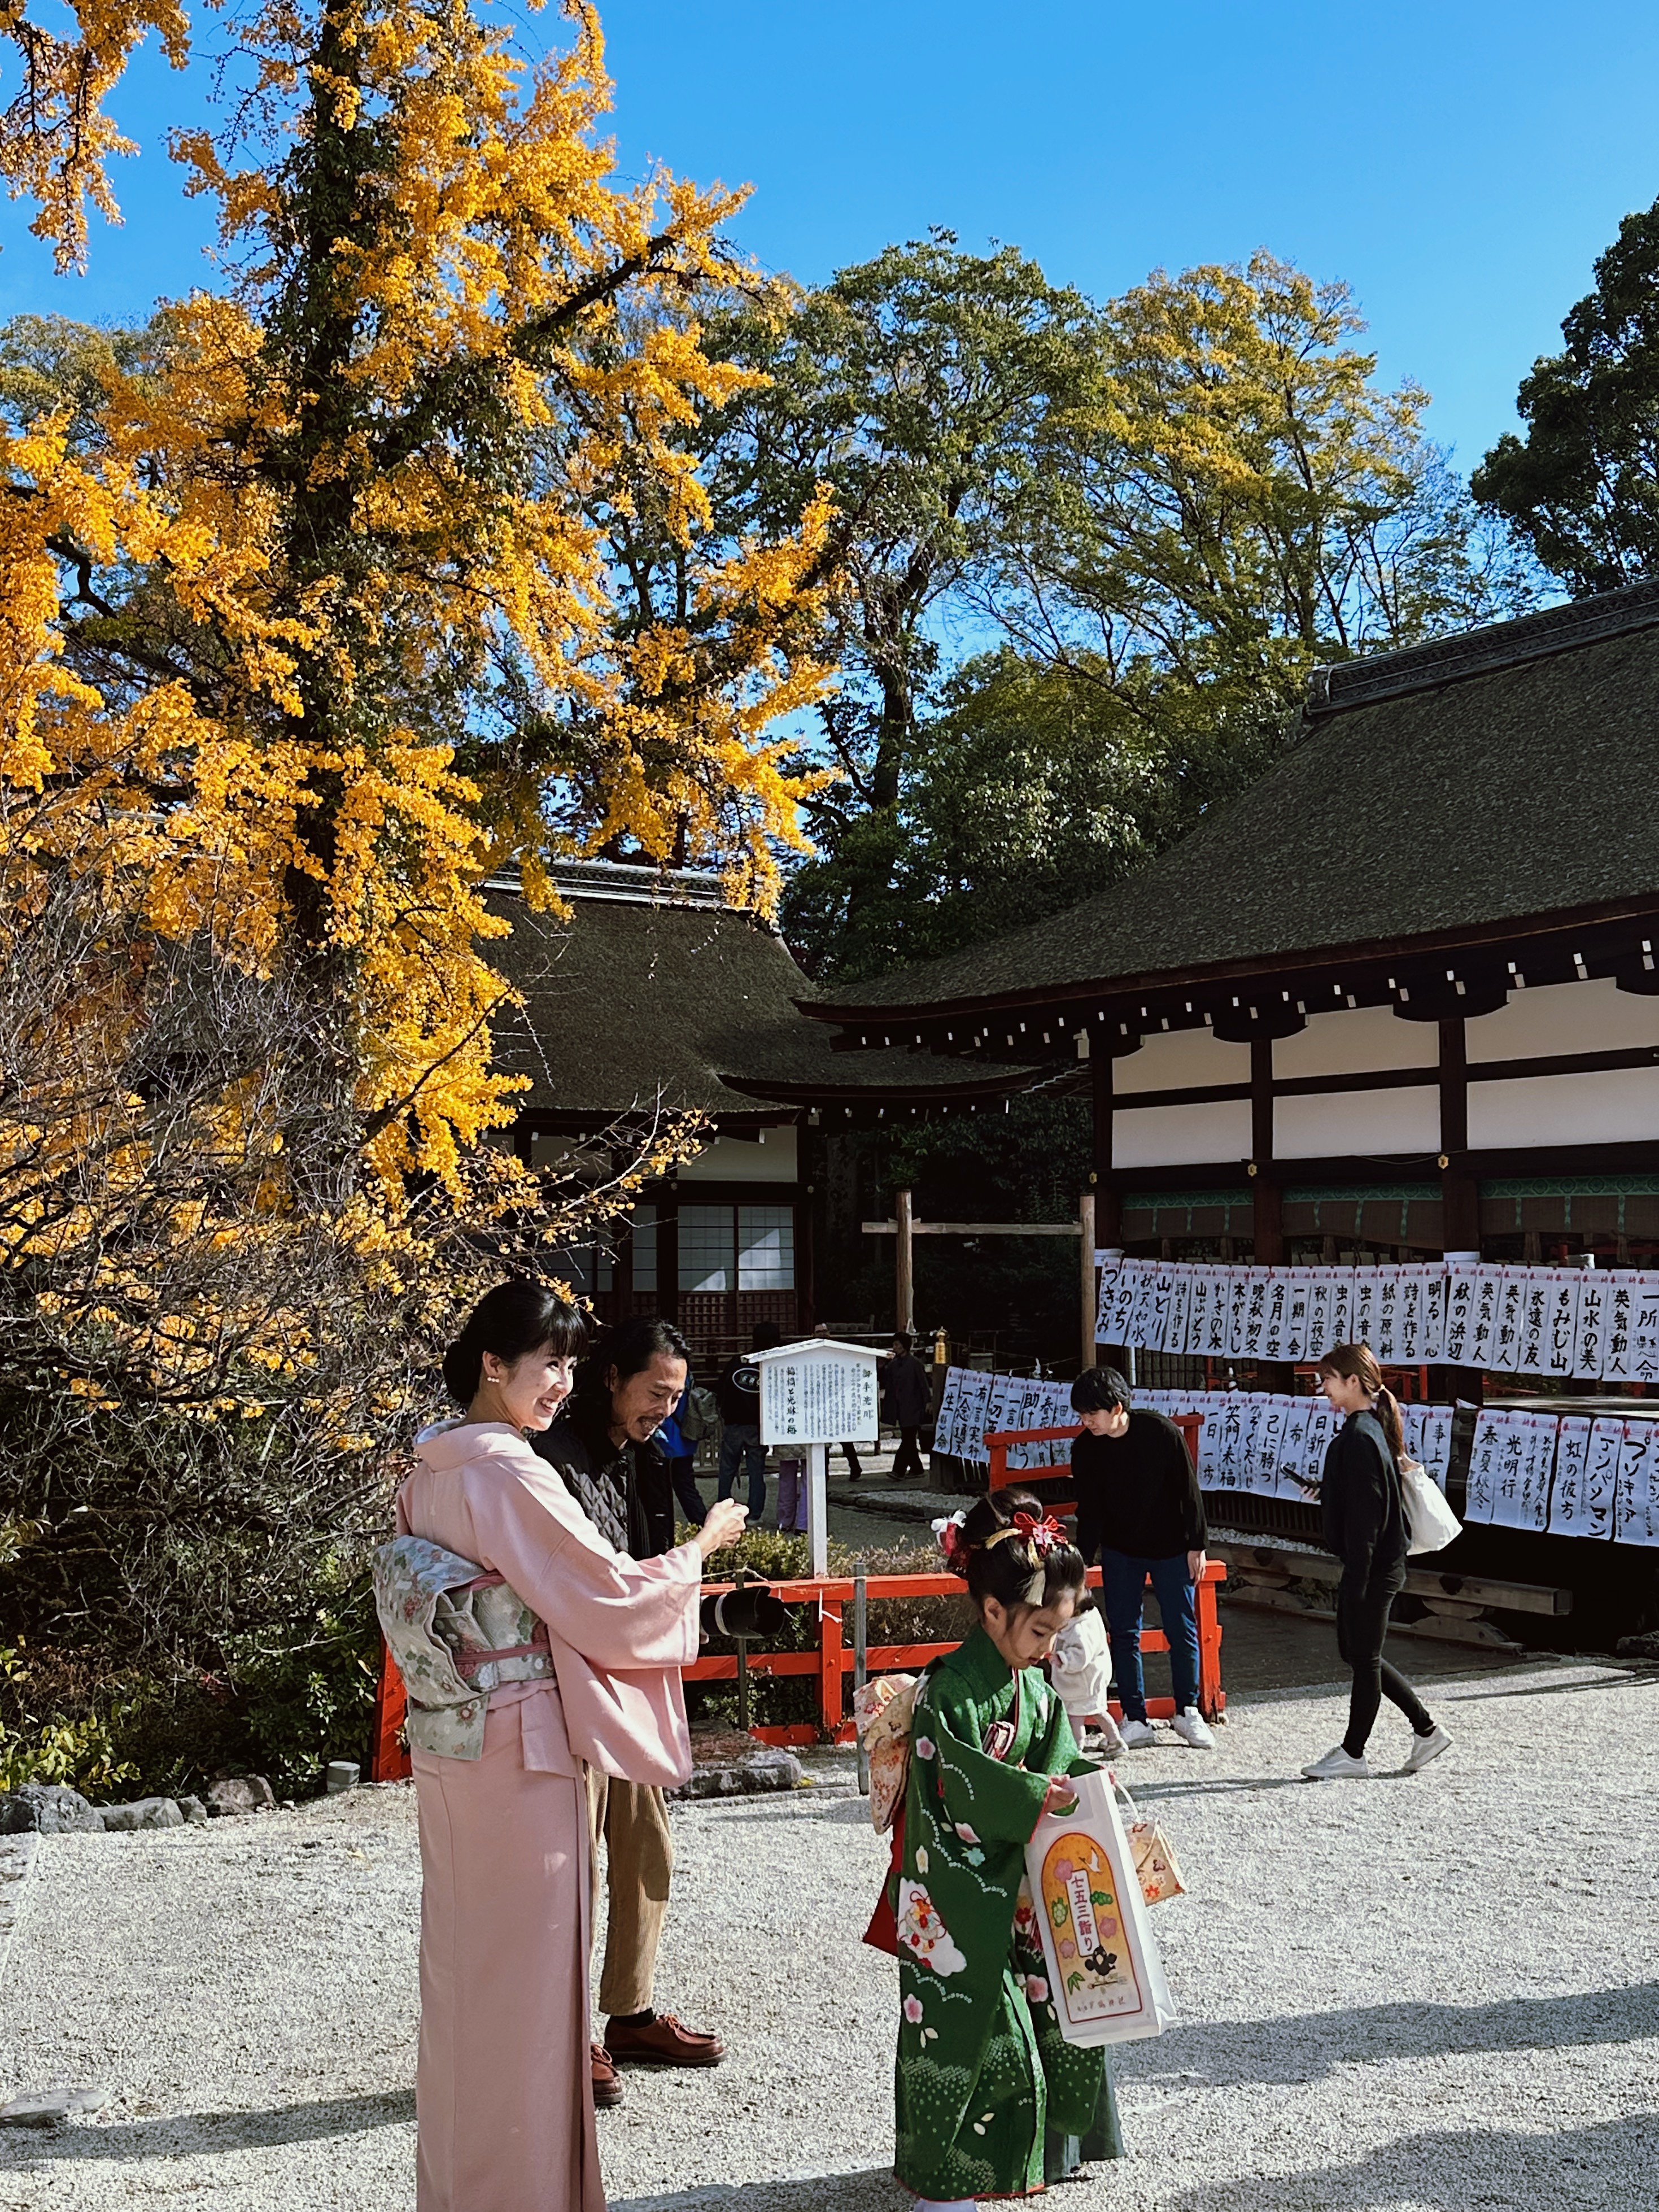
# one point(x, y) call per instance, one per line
point(510, 1321)
point(1006, 1547)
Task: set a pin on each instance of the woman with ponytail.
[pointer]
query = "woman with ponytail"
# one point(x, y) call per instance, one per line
point(532, 1649)
point(1365, 1511)
point(991, 2099)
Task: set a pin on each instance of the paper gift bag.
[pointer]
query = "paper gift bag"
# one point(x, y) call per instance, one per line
point(1157, 1868)
point(1102, 1960)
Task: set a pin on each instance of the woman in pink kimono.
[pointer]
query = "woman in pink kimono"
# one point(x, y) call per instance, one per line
point(504, 2098)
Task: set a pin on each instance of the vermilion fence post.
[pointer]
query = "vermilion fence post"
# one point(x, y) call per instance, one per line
point(388, 1759)
point(831, 1676)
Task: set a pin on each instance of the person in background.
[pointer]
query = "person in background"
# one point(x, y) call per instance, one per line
point(1364, 1516)
point(1140, 1510)
point(737, 1395)
point(1080, 1669)
point(906, 1390)
point(681, 1452)
point(603, 1448)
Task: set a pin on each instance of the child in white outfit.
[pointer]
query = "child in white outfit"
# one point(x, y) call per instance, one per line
point(1081, 1668)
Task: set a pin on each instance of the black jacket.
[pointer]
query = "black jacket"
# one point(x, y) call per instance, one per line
point(1138, 1494)
point(1362, 1504)
point(737, 1393)
point(627, 1494)
point(906, 1389)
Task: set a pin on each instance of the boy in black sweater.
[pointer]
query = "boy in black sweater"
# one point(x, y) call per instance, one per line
point(1140, 1510)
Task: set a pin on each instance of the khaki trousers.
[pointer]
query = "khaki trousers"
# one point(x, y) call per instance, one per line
point(633, 1820)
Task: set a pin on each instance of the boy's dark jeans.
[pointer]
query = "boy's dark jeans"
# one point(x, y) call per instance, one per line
point(1122, 1586)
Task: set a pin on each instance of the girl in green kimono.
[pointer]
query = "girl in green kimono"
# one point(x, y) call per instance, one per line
point(984, 2074)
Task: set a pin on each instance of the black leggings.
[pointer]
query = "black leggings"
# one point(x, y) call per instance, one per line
point(1362, 1622)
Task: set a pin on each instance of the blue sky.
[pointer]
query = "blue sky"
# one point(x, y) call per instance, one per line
point(1461, 165)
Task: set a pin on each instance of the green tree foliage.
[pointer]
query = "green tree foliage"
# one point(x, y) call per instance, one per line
point(1158, 514)
point(917, 386)
point(1582, 487)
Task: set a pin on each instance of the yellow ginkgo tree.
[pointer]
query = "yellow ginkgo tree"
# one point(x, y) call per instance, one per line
point(309, 624)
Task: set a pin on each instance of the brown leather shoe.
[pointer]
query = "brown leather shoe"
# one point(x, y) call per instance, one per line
point(664, 2040)
point(607, 2082)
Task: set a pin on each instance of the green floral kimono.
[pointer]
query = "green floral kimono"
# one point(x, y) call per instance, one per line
point(983, 2068)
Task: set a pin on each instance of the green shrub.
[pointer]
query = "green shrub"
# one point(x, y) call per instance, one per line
point(79, 1754)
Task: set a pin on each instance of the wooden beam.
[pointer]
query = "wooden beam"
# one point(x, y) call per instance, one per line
point(905, 1282)
point(913, 1228)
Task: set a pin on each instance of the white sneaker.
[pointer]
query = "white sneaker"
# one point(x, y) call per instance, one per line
point(1192, 1727)
point(1137, 1734)
point(1425, 1747)
point(1337, 1766)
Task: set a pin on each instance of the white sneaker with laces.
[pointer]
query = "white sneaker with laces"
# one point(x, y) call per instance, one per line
point(1425, 1747)
point(1338, 1767)
point(1100, 1741)
point(1192, 1727)
point(1137, 1734)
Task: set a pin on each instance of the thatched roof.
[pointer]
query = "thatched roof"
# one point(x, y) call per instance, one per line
point(655, 988)
point(1490, 780)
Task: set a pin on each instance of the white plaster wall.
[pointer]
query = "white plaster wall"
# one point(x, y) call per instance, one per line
point(1358, 1040)
point(1181, 1060)
point(1561, 1017)
point(1348, 1121)
point(1181, 1136)
point(743, 1159)
point(1619, 1106)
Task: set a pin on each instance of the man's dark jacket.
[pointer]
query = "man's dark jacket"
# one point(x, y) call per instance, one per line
point(907, 1390)
point(1137, 1493)
point(627, 1493)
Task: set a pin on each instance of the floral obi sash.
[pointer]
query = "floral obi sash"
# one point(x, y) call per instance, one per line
point(457, 1632)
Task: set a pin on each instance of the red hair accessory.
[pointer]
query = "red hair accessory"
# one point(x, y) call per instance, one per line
point(1040, 1531)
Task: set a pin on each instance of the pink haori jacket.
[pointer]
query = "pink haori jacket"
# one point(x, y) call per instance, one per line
point(619, 1630)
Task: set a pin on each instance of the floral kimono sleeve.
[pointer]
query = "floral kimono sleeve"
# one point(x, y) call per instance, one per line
point(992, 1802)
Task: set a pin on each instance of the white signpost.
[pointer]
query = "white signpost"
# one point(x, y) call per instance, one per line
point(812, 1395)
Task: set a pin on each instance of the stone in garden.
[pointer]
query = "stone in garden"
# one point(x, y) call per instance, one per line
point(194, 1811)
point(142, 1813)
point(343, 1774)
point(36, 2108)
point(244, 1793)
point(768, 1767)
point(50, 1808)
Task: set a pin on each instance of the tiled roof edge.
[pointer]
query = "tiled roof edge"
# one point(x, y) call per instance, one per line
point(1332, 689)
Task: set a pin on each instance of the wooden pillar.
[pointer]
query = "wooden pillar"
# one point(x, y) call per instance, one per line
point(1108, 1193)
point(1460, 1192)
point(806, 1312)
point(904, 1284)
point(1267, 1195)
point(1109, 1199)
point(1086, 1276)
point(1265, 1192)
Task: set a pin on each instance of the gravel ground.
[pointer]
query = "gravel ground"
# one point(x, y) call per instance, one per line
point(1412, 1995)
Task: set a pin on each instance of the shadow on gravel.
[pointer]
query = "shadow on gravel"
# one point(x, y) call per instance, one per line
point(1605, 2168)
point(1633, 1682)
point(1306, 2048)
point(874, 2190)
point(193, 2133)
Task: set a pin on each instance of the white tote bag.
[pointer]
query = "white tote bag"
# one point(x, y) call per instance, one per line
point(1102, 1959)
point(1430, 1524)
